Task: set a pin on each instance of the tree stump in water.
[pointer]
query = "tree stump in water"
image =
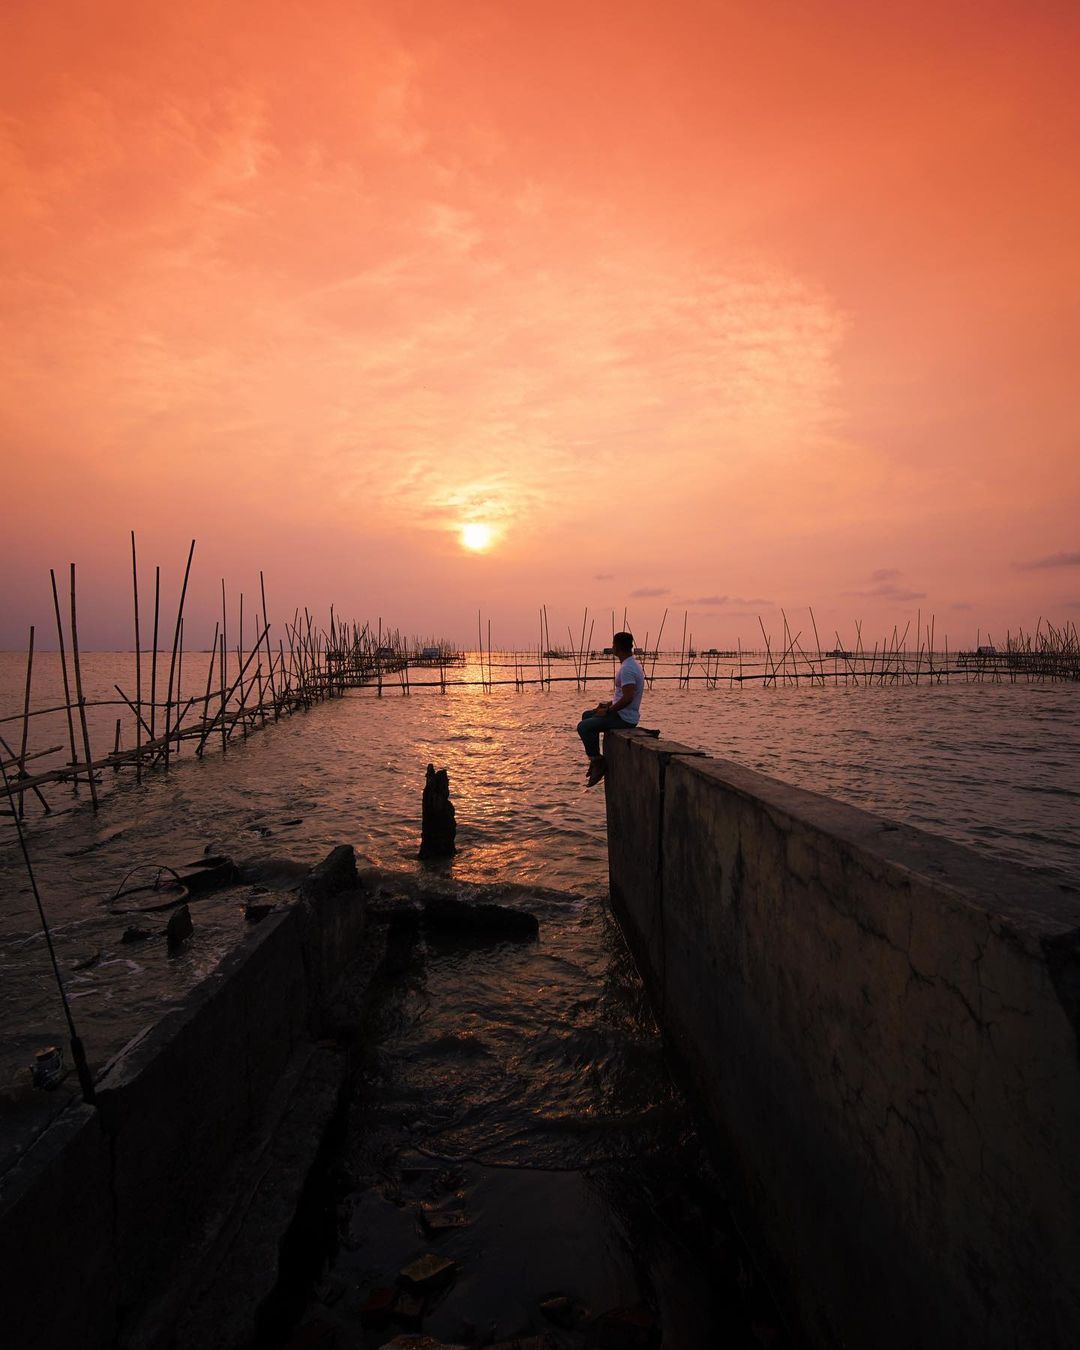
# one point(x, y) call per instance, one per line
point(437, 825)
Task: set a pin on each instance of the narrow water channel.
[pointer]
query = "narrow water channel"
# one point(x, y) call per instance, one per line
point(512, 1115)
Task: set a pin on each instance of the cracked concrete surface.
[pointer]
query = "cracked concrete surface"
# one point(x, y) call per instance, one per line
point(884, 1028)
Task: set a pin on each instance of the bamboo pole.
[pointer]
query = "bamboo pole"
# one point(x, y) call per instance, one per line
point(153, 659)
point(138, 664)
point(25, 782)
point(26, 717)
point(176, 642)
point(79, 694)
point(64, 672)
point(269, 656)
point(221, 677)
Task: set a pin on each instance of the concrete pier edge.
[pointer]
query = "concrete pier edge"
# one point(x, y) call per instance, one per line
point(881, 1026)
point(96, 1216)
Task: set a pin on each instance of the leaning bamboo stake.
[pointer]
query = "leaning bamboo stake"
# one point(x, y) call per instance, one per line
point(269, 655)
point(26, 716)
point(138, 665)
point(140, 721)
point(656, 650)
point(221, 675)
point(209, 684)
point(153, 659)
point(79, 694)
point(176, 642)
point(22, 787)
point(64, 672)
point(226, 696)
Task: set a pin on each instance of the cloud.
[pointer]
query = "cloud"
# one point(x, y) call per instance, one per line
point(885, 591)
point(884, 574)
point(604, 576)
point(961, 604)
point(1051, 560)
point(714, 601)
point(646, 592)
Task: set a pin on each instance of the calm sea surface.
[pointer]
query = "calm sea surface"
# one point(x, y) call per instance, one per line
point(995, 766)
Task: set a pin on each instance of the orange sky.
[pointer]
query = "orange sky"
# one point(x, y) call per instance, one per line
point(718, 306)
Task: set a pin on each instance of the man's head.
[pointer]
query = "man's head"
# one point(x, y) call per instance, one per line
point(623, 644)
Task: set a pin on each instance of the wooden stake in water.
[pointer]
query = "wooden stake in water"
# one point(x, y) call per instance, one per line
point(138, 664)
point(26, 718)
point(269, 654)
point(221, 678)
point(64, 672)
point(176, 643)
point(79, 694)
point(153, 659)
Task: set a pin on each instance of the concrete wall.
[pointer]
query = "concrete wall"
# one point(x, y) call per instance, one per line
point(94, 1215)
point(882, 1027)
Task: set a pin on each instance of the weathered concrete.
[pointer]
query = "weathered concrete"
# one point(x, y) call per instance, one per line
point(94, 1217)
point(882, 1027)
point(58, 1280)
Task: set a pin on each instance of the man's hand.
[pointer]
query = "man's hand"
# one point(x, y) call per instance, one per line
point(601, 709)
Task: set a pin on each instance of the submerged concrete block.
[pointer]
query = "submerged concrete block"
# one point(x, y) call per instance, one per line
point(882, 1026)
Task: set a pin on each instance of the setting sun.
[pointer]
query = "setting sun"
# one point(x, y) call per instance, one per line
point(477, 537)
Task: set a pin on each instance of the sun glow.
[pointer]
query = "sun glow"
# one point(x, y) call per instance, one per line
point(477, 537)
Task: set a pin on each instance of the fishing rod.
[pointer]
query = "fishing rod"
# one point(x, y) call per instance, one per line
point(78, 1054)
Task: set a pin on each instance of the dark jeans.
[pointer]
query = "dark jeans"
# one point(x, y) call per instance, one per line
point(592, 724)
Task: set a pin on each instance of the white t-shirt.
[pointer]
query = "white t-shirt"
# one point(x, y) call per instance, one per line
point(630, 673)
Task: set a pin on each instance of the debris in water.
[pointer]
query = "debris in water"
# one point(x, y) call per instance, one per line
point(254, 912)
point(437, 1221)
point(85, 962)
point(136, 934)
point(209, 873)
point(429, 1272)
point(48, 1068)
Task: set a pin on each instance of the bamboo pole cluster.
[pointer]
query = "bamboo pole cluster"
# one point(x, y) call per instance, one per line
point(308, 665)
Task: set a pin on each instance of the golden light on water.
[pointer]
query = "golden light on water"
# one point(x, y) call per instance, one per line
point(477, 537)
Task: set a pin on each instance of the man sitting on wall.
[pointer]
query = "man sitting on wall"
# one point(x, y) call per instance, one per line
point(621, 712)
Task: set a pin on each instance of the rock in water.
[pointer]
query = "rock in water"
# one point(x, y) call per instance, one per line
point(438, 826)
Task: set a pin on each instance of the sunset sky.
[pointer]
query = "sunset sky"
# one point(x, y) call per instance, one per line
point(718, 306)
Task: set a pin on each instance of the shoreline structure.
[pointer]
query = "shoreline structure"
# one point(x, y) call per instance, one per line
point(881, 1029)
point(273, 681)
